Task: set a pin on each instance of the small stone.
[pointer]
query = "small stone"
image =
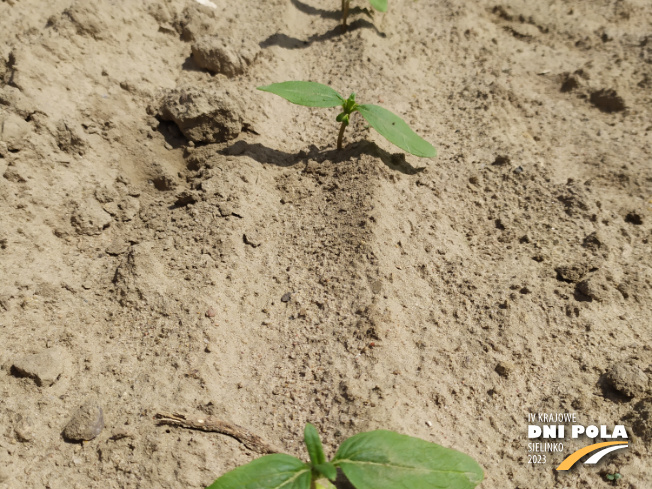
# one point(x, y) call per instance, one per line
point(504, 369)
point(13, 131)
point(210, 312)
point(45, 367)
point(229, 209)
point(377, 286)
point(286, 297)
point(24, 429)
point(86, 423)
point(252, 238)
point(627, 379)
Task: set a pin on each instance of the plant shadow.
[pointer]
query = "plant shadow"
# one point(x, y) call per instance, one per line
point(270, 156)
point(326, 14)
point(289, 42)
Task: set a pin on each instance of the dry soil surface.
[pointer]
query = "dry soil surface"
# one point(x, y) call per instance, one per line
point(173, 240)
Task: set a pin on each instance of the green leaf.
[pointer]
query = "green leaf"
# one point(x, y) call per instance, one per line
point(327, 469)
point(388, 460)
point(310, 94)
point(277, 471)
point(396, 131)
point(380, 5)
point(313, 443)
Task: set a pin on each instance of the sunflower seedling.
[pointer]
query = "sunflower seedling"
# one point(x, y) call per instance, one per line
point(380, 5)
point(389, 125)
point(373, 460)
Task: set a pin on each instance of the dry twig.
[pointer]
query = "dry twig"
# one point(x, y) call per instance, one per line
point(208, 423)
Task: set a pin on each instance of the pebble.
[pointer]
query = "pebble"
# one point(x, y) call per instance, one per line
point(286, 297)
point(377, 286)
point(627, 379)
point(504, 369)
point(45, 367)
point(24, 429)
point(252, 238)
point(210, 312)
point(14, 130)
point(86, 423)
point(117, 247)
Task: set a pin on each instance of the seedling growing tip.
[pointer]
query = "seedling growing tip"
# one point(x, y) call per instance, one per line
point(374, 460)
point(380, 5)
point(389, 125)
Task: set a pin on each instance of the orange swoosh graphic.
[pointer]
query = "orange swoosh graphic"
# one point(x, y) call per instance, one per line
point(575, 456)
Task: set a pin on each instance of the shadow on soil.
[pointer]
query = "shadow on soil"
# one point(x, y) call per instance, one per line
point(288, 42)
point(329, 14)
point(265, 155)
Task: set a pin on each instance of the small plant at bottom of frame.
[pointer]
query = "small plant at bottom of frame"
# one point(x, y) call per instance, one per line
point(373, 460)
point(389, 125)
point(380, 5)
point(613, 477)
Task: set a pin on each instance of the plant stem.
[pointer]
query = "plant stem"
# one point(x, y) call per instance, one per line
point(341, 135)
point(345, 11)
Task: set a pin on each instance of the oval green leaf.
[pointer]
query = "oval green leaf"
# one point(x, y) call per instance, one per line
point(380, 5)
point(396, 131)
point(313, 443)
point(277, 471)
point(310, 94)
point(387, 460)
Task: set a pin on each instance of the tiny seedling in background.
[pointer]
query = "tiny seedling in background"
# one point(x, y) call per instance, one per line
point(613, 477)
point(373, 460)
point(389, 125)
point(380, 5)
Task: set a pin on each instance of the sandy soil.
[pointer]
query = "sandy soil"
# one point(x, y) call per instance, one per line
point(172, 239)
